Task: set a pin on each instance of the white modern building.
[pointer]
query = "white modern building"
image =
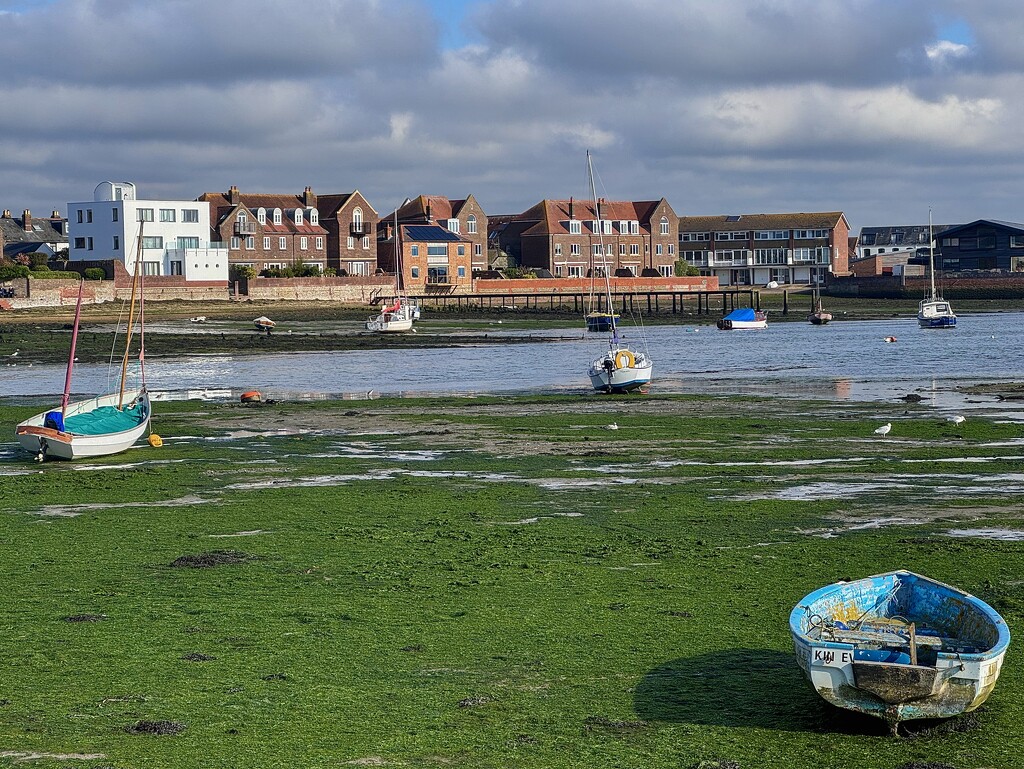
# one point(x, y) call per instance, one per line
point(175, 234)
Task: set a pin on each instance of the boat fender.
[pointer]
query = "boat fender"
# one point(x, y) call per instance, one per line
point(253, 396)
point(155, 441)
point(624, 359)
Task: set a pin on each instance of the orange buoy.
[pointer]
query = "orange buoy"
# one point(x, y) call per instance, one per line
point(253, 396)
point(155, 441)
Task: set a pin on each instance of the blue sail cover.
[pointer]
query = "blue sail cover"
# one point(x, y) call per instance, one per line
point(744, 313)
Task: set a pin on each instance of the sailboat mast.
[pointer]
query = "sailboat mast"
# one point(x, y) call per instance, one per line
point(600, 240)
point(71, 355)
point(931, 251)
point(131, 320)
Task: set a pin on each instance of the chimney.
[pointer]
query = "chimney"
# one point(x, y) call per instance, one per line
point(56, 214)
point(308, 198)
point(26, 221)
point(234, 197)
point(570, 208)
point(7, 213)
point(429, 219)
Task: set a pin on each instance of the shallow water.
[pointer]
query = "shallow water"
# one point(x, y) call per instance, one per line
point(843, 360)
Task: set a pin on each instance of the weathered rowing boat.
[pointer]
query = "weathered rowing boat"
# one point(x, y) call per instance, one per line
point(899, 646)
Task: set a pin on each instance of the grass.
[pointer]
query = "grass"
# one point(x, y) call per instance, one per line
point(483, 583)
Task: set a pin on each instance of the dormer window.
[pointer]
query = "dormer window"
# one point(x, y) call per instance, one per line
point(574, 227)
point(634, 228)
point(261, 215)
point(606, 226)
point(314, 216)
point(298, 217)
point(453, 225)
point(595, 225)
point(624, 226)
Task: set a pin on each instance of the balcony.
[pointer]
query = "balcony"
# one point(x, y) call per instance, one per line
point(245, 228)
point(358, 229)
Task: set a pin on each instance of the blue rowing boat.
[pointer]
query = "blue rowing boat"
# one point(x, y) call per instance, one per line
point(899, 646)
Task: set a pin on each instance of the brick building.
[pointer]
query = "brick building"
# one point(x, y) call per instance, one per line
point(434, 259)
point(561, 236)
point(755, 249)
point(464, 218)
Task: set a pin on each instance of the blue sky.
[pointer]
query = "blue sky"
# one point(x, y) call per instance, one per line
point(876, 108)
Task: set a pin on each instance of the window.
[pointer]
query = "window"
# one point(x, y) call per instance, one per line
point(471, 224)
point(436, 249)
point(117, 243)
point(622, 249)
point(671, 249)
point(235, 243)
point(81, 216)
point(79, 242)
point(664, 225)
point(414, 250)
point(319, 243)
point(478, 250)
point(190, 215)
point(731, 235)
point(453, 225)
point(624, 226)
point(634, 249)
point(666, 270)
point(462, 272)
point(771, 235)
point(314, 217)
point(366, 241)
point(350, 242)
point(575, 271)
point(415, 272)
point(266, 243)
point(558, 270)
point(688, 237)
point(437, 275)
point(574, 249)
point(298, 217)
point(558, 249)
point(144, 215)
point(261, 215)
point(1017, 241)
point(175, 268)
point(282, 243)
point(167, 215)
point(152, 241)
point(610, 249)
point(634, 228)
point(574, 227)
point(951, 242)
point(606, 227)
point(113, 214)
point(596, 248)
point(250, 242)
point(303, 243)
point(277, 216)
point(461, 250)
point(185, 241)
point(812, 234)
point(151, 268)
point(595, 225)
point(357, 220)
point(658, 250)
point(772, 255)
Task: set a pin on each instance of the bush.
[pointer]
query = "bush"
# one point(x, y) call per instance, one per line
point(10, 270)
point(684, 269)
point(242, 272)
point(38, 261)
point(40, 268)
point(94, 273)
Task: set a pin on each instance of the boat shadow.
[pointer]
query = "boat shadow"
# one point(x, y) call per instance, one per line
point(743, 688)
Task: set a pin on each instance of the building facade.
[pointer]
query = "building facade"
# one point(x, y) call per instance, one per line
point(572, 238)
point(756, 249)
point(32, 235)
point(463, 217)
point(351, 224)
point(985, 244)
point(433, 258)
point(175, 234)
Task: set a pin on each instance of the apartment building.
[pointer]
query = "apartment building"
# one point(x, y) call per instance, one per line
point(463, 217)
point(176, 237)
point(756, 249)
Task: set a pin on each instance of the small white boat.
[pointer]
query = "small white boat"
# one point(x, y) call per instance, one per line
point(899, 646)
point(392, 319)
point(745, 317)
point(91, 428)
point(934, 311)
point(263, 323)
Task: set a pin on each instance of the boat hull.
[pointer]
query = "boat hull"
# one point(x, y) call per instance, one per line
point(600, 321)
point(935, 313)
point(738, 325)
point(36, 437)
point(393, 320)
point(857, 647)
point(937, 322)
point(621, 370)
point(819, 318)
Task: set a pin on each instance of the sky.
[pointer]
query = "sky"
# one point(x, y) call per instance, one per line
point(878, 108)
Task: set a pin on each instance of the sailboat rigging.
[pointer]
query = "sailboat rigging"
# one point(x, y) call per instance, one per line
point(619, 369)
point(399, 314)
point(99, 426)
point(934, 311)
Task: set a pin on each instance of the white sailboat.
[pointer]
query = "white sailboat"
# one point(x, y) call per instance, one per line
point(934, 311)
point(400, 314)
point(106, 424)
point(620, 369)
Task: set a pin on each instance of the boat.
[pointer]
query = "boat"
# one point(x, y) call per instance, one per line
point(744, 317)
point(620, 368)
point(601, 321)
point(198, 319)
point(106, 424)
point(818, 316)
point(899, 646)
point(263, 323)
point(399, 315)
point(934, 311)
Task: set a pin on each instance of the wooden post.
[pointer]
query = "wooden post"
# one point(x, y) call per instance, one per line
point(785, 301)
point(913, 644)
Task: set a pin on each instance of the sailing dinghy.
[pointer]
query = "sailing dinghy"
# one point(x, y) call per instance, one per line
point(107, 424)
point(899, 646)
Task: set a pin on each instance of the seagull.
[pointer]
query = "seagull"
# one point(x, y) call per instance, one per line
point(884, 429)
point(15, 353)
point(958, 419)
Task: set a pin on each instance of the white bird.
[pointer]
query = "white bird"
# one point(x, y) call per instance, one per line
point(884, 429)
point(958, 419)
point(613, 426)
point(15, 353)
